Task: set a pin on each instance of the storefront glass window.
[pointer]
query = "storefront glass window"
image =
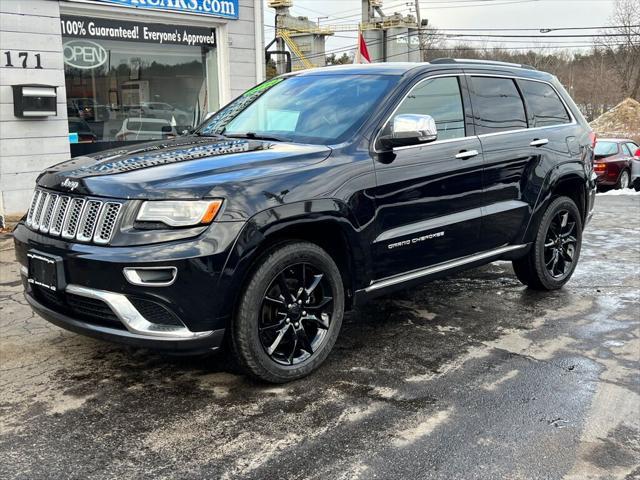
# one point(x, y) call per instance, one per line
point(119, 91)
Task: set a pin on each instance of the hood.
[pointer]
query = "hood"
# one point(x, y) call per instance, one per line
point(186, 167)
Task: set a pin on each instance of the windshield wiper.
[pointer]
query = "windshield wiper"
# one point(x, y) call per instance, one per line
point(258, 136)
point(212, 135)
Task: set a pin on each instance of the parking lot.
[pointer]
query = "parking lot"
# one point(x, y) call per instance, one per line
point(464, 378)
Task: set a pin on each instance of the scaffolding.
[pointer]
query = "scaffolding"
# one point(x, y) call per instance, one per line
point(305, 38)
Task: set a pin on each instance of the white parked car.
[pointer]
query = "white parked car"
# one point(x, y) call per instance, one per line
point(635, 170)
point(145, 129)
point(166, 111)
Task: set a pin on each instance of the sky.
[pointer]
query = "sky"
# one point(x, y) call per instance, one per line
point(469, 14)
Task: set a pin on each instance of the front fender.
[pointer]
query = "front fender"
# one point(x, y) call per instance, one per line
point(322, 216)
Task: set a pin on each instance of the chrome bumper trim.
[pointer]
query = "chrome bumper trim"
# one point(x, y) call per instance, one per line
point(133, 277)
point(132, 319)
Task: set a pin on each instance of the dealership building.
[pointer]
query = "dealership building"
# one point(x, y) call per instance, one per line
point(80, 76)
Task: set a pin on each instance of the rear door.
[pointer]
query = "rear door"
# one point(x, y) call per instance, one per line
point(428, 196)
point(515, 123)
point(501, 124)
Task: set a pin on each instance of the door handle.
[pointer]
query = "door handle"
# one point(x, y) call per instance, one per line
point(466, 154)
point(538, 142)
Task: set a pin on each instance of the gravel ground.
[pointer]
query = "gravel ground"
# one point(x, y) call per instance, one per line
point(469, 377)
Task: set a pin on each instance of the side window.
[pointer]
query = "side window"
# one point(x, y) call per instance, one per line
point(440, 98)
point(625, 149)
point(497, 105)
point(544, 103)
point(633, 147)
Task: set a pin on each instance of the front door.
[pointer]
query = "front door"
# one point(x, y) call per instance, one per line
point(428, 197)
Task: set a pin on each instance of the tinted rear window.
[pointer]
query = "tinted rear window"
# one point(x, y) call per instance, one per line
point(606, 148)
point(545, 105)
point(497, 105)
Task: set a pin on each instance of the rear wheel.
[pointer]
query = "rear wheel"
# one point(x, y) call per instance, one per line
point(290, 313)
point(623, 180)
point(555, 252)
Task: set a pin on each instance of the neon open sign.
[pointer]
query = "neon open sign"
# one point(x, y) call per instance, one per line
point(84, 54)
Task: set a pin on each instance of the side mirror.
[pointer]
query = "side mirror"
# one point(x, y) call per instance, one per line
point(410, 129)
point(167, 132)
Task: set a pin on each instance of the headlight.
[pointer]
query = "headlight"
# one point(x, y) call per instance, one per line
point(179, 213)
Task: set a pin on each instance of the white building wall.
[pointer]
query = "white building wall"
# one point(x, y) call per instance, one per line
point(245, 49)
point(29, 145)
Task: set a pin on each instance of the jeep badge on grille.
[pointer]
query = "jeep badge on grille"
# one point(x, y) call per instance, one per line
point(70, 184)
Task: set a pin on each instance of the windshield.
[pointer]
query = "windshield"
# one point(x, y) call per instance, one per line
point(605, 149)
point(316, 109)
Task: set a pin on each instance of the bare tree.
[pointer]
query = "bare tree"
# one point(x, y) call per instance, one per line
point(622, 44)
point(334, 59)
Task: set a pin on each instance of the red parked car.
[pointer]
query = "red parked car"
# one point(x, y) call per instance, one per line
point(613, 161)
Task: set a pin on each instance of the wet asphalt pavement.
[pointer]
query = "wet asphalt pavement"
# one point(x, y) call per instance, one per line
point(473, 377)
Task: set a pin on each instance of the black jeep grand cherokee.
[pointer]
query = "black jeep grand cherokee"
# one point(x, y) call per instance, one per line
point(306, 196)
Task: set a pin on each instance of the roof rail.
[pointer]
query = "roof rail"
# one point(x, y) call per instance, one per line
point(484, 62)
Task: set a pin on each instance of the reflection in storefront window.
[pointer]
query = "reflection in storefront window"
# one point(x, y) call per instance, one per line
point(122, 91)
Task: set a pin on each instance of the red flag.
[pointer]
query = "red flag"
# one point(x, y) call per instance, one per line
point(362, 54)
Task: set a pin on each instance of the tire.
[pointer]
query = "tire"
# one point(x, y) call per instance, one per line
point(636, 185)
point(623, 180)
point(547, 266)
point(272, 316)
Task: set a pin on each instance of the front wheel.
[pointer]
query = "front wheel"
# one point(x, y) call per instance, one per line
point(555, 252)
point(290, 313)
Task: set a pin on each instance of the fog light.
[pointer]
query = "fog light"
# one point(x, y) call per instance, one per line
point(151, 276)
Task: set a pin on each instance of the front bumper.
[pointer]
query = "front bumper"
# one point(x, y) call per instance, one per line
point(95, 297)
point(199, 343)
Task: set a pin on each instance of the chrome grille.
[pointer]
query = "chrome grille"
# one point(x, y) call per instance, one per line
point(107, 222)
point(37, 213)
point(52, 201)
point(88, 220)
point(73, 219)
point(58, 216)
point(76, 218)
point(32, 208)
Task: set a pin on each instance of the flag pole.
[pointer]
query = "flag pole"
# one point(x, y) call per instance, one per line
point(357, 57)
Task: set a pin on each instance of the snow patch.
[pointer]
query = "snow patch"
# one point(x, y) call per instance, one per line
point(422, 429)
point(615, 193)
point(493, 385)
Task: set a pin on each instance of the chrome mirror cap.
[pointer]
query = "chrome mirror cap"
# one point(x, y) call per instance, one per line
point(409, 126)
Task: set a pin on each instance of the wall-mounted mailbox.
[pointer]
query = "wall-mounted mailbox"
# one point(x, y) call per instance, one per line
point(33, 101)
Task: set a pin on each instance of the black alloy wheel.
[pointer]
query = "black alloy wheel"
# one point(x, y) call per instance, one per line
point(553, 256)
point(560, 244)
point(296, 314)
point(289, 314)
